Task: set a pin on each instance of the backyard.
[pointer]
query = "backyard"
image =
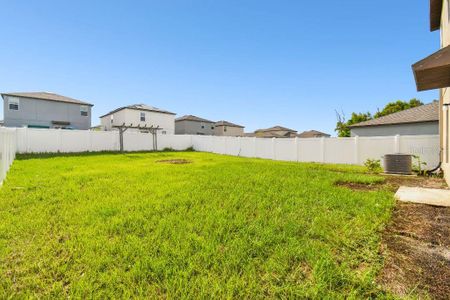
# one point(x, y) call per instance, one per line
point(188, 224)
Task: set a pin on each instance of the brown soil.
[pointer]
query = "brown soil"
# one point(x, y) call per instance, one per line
point(357, 186)
point(415, 181)
point(416, 247)
point(174, 161)
point(394, 182)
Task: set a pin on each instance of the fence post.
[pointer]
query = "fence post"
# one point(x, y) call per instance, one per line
point(274, 154)
point(397, 144)
point(240, 146)
point(296, 148)
point(356, 145)
point(254, 146)
point(322, 146)
point(27, 150)
point(60, 140)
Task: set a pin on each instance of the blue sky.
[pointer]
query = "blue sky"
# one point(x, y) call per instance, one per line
point(256, 63)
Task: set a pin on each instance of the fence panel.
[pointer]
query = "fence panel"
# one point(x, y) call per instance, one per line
point(375, 147)
point(310, 150)
point(8, 149)
point(74, 141)
point(286, 149)
point(339, 150)
point(137, 141)
point(424, 146)
point(41, 140)
point(104, 141)
point(265, 148)
point(248, 148)
point(176, 142)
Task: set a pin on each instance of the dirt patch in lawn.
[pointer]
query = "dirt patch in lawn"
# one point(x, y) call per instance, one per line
point(416, 248)
point(174, 161)
point(415, 181)
point(358, 186)
point(394, 182)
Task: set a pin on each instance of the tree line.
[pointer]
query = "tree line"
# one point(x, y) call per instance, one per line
point(342, 126)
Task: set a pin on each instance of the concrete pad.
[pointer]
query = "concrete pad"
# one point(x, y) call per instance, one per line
point(423, 195)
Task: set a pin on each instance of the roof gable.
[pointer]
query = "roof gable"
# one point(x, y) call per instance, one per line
point(420, 114)
point(276, 128)
point(192, 118)
point(141, 107)
point(47, 96)
point(226, 123)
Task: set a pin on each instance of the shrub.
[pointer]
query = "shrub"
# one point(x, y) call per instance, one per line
point(417, 166)
point(373, 165)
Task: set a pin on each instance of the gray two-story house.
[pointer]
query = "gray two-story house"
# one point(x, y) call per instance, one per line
point(45, 110)
point(194, 125)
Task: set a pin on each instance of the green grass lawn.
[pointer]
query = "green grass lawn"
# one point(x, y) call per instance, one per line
point(125, 225)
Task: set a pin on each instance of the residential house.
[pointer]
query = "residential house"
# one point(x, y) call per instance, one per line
point(419, 120)
point(276, 131)
point(194, 125)
point(139, 115)
point(433, 72)
point(312, 134)
point(225, 128)
point(45, 110)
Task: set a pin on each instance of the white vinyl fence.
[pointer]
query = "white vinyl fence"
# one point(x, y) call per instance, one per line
point(354, 150)
point(7, 151)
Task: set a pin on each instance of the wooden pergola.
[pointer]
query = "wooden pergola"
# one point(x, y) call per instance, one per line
point(152, 129)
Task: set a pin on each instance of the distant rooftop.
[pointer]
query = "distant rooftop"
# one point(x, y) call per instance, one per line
point(226, 123)
point(192, 118)
point(424, 113)
point(276, 128)
point(47, 96)
point(312, 134)
point(139, 107)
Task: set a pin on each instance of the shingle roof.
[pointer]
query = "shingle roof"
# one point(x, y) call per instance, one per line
point(276, 128)
point(226, 123)
point(193, 118)
point(47, 96)
point(139, 107)
point(424, 113)
point(312, 134)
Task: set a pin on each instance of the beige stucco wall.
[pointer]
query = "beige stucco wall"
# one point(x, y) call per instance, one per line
point(132, 116)
point(445, 96)
point(230, 131)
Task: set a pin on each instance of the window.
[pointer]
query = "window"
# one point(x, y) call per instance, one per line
point(163, 132)
point(212, 127)
point(112, 119)
point(84, 111)
point(142, 117)
point(13, 103)
point(225, 128)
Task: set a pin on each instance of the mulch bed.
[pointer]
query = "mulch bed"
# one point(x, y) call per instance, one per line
point(416, 248)
point(174, 161)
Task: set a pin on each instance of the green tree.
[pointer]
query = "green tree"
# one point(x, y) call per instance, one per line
point(396, 106)
point(342, 126)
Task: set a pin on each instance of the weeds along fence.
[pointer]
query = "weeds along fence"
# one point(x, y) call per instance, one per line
point(354, 150)
point(7, 151)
